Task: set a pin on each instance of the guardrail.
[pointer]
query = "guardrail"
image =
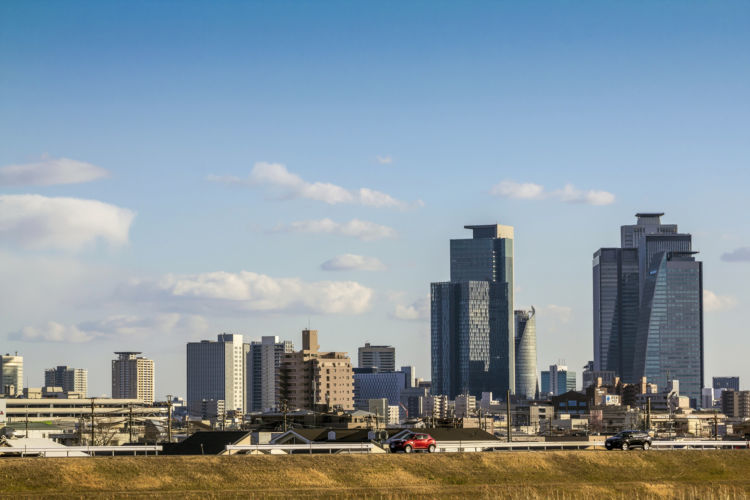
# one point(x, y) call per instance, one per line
point(473, 446)
point(65, 451)
point(700, 444)
point(305, 448)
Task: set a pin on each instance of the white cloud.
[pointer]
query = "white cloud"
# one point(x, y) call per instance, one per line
point(352, 262)
point(417, 310)
point(741, 254)
point(716, 303)
point(518, 191)
point(39, 222)
point(120, 326)
point(384, 160)
point(364, 230)
point(50, 171)
point(248, 291)
point(568, 194)
point(557, 314)
point(291, 186)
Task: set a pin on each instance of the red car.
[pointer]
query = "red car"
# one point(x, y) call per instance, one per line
point(414, 442)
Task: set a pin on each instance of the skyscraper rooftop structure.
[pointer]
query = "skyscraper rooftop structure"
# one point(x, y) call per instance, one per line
point(472, 323)
point(381, 356)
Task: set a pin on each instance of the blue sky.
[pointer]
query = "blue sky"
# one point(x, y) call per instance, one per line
point(202, 130)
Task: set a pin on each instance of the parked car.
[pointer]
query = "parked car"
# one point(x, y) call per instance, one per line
point(628, 439)
point(414, 442)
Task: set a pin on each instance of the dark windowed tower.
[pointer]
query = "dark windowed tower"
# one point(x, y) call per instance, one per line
point(472, 316)
point(648, 293)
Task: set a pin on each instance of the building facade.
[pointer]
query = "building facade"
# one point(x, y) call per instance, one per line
point(68, 379)
point(310, 379)
point(735, 404)
point(262, 361)
point(11, 373)
point(472, 322)
point(726, 383)
point(133, 377)
point(216, 371)
point(648, 306)
point(525, 333)
point(557, 380)
point(371, 384)
point(382, 357)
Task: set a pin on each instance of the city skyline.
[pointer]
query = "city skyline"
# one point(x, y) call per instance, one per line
point(240, 169)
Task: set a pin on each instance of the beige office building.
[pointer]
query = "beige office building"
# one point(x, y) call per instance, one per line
point(309, 378)
point(133, 377)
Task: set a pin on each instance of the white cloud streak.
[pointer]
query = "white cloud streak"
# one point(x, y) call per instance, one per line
point(568, 194)
point(291, 186)
point(363, 230)
point(416, 311)
point(741, 254)
point(120, 326)
point(248, 291)
point(352, 262)
point(713, 302)
point(384, 160)
point(50, 171)
point(38, 222)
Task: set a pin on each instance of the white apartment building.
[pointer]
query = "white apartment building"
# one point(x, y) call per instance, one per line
point(262, 361)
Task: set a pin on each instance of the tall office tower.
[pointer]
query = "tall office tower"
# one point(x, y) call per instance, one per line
point(69, 379)
point(558, 380)
point(216, 371)
point(310, 379)
point(648, 307)
point(472, 342)
point(262, 361)
point(382, 357)
point(525, 333)
point(133, 377)
point(410, 374)
point(726, 383)
point(11, 374)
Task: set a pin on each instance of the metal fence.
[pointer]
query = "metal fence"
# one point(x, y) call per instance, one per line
point(65, 451)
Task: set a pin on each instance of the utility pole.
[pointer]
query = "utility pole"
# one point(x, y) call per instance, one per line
point(507, 408)
point(169, 418)
point(284, 410)
point(92, 423)
point(648, 414)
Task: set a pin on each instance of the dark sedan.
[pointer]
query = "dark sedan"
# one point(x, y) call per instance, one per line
point(626, 440)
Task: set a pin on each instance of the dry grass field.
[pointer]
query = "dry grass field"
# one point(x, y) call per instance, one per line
point(543, 475)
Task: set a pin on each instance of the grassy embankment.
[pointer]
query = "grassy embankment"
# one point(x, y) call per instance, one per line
point(560, 475)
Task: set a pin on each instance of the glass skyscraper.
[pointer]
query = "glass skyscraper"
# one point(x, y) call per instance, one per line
point(472, 320)
point(525, 333)
point(648, 307)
